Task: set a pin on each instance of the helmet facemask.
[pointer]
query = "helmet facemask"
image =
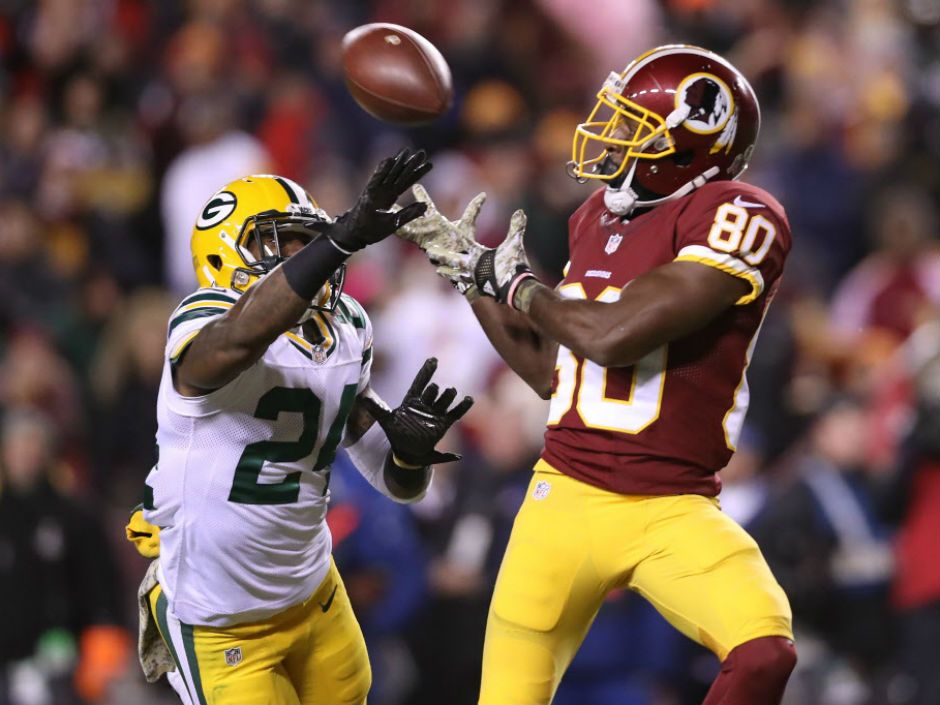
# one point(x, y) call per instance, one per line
point(617, 127)
point(267, 232)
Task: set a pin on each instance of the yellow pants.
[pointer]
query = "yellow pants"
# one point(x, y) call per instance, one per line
point(572, 543)
point(305, 655)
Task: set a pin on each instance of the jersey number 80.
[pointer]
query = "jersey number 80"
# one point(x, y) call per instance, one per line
point(595, 408)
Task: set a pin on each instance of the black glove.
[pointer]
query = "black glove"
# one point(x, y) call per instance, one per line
point(415, 427)
point(370, 220)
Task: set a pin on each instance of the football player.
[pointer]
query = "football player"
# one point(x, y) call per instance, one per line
point(643, 350)
point(266, 373)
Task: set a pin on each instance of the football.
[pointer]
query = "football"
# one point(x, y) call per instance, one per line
point(395, 74)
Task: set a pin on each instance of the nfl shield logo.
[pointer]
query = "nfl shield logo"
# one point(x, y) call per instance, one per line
point(613, 243)
point(541, 490)
point(233, 657)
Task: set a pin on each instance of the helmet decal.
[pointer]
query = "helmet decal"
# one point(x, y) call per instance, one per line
point(673, 119)
point(708, 101)
point(219, 207)
point(237, 237)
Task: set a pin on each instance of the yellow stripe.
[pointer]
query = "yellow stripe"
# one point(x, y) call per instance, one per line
point(747, 276)
point(204, 304)
point(325, 331)
point(297, 339)
point(327, 342)
point(183, 344)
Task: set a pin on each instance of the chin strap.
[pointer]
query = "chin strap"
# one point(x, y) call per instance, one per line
point(621, 201)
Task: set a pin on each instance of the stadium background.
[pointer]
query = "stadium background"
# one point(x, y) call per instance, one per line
point(118, 118)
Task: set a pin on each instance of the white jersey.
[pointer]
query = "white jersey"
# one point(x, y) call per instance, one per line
point(240, 489)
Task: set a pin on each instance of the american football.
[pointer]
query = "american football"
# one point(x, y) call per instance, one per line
point(463, 360)
point(395, 74)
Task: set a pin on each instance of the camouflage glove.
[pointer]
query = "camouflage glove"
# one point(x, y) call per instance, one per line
point(434, 233)
point(496, 272)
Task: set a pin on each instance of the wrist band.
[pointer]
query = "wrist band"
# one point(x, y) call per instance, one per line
point(402, 464)
point(309, 269)
point(410, 478)
point(520, 294)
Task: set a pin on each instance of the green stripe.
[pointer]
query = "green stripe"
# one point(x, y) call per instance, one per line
point(286, 187)
point(207, 296)
point(362, 311)
point(354, 311)
point(300, 347)
point(366, 356)
point(191, 315)
point(190, 647)
point(148, 497)
point(165, 631)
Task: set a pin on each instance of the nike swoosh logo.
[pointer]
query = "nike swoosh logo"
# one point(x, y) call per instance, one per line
point(326, 605)
point(738, 201)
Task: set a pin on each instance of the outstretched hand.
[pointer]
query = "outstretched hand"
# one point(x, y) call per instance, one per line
point(495, 272)
point(373, 217)
point(422, 419)
point(437, 235)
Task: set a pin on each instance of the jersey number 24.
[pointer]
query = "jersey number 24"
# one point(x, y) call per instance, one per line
point(246, 489)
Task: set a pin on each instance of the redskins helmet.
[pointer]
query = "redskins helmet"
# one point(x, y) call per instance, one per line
point(676, 117)
point(255, 209)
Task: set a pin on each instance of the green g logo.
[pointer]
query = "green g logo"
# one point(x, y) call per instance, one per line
point(219, 207)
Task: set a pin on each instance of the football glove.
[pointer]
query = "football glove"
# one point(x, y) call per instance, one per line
point(415, 427)
point(373, 218)
point(495, 272)
point(434, 233)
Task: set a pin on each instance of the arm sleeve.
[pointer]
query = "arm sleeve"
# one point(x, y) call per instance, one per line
point(741, 232)
point(368, 455)
point(192, 315)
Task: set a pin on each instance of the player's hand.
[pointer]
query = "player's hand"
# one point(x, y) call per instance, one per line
point(373, 218)
point(437, 235)
point(496, 272)
point(415, 427)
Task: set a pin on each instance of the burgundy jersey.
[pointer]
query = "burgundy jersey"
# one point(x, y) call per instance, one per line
point(668, 423)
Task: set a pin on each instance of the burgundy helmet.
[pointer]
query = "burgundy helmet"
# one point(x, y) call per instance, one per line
point(676, 117)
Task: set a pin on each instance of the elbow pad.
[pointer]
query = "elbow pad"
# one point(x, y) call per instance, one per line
point(368, 454)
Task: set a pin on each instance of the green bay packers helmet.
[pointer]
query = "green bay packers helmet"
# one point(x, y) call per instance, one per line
point(256, 209)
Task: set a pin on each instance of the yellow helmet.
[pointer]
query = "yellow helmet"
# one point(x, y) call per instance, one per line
point(255, 208)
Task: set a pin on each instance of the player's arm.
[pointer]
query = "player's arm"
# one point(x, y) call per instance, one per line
point(394, 448)
point(717, 266)
point(665, 304)
point(233, 342)
point(529, 353)
point(518, 342)
point(372, 454)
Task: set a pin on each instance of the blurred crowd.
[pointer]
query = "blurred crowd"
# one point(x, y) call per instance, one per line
point(118, 118)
